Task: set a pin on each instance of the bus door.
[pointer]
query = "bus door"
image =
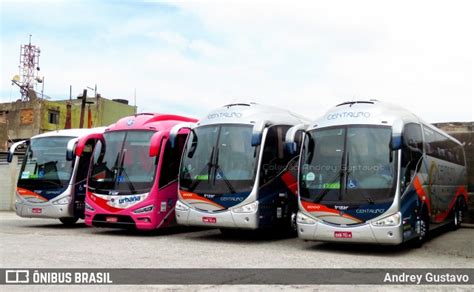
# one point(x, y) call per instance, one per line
point(168, 174)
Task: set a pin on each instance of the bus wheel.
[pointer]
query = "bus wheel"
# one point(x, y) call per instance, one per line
point(68, 221)
point(458, 213)
point(422, 228)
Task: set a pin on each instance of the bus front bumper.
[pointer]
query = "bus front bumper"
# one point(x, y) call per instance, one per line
point(188, 216)
point(43, 210)
point(366, 233)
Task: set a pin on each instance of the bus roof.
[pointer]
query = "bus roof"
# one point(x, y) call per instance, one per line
point(70, 133)
point(251, 113)
point(148, 121)
point(370, 112)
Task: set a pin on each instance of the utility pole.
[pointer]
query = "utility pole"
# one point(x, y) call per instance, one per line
point(68, 110)
point(83, 107)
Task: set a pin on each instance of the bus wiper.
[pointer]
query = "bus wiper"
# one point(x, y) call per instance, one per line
point(51, 182)
point(123, 171)
point(209, 166)
point(338, 176)
point(348, 173)
point(227, 182)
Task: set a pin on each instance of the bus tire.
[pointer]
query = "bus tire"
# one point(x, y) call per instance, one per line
point(68, 221)
point(458, 213)
point(424, 226)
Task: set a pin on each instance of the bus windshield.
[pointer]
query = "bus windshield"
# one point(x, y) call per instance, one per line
point(123, 164)
point(350, 164)
point(45, 165)
point(219, 159)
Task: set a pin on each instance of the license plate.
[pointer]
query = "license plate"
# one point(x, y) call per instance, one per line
point(342, 234)
point(111, 219)
point(37, 210)
point(209, 219)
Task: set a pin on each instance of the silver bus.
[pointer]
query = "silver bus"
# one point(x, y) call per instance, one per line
point(373, 172)
point(52, 180)
point(234, 171)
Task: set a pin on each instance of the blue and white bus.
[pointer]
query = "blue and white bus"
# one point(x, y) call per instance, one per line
point(52, 180)
point(373, 172)
point(234, 171)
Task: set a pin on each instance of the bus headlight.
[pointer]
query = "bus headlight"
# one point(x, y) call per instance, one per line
point(304, 219)
point(146, 209)
point(392, 220)
point(62, 201)
point(249, 208)
point(89, 207)
point(181, 206)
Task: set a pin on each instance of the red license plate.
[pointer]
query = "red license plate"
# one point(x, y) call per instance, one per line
point(342, 234)
point(209, 219)
point(37, 210)
point(111, 219)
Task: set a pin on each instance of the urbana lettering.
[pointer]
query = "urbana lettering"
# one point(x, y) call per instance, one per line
point(129, 200)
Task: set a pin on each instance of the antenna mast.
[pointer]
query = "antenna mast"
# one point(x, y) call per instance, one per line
point(29, 68)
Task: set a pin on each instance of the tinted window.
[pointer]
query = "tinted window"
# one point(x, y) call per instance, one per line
point(440, 146)
point(275, 158)
point(171, 158)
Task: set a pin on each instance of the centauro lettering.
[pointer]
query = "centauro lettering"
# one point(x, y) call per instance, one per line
point(224, 115)
point(348, 115)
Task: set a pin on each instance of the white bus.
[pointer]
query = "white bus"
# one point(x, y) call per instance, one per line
point(234, 171)
point(373, 172)
point(52, 180)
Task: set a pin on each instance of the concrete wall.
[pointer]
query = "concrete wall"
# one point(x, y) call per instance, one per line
point(8, 178)
point(112, 111)
point(26, 119)
point(19, 128)
point(3, 136)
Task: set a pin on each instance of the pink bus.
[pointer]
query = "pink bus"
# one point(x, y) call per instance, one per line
point(132, 181)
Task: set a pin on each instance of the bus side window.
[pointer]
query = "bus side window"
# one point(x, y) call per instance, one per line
point(412, 152)
point(171, 159)
point(275, 158)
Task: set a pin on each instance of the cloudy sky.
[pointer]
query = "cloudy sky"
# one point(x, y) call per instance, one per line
point(192, 56)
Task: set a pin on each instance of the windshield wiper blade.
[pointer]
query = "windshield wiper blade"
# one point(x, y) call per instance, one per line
point(227, 182)
point(123, 171)
point(208, 166)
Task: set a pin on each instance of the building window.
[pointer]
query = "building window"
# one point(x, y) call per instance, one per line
point(53, 117)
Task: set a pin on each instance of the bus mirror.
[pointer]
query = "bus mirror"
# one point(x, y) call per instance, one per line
point(396, 142)
point(11, 152)
point(70, 148)
point(155, 143)
point(175, 131)
point(397, 130)
point(411, 144)
point(258, 131)
point(83, 141)
point(290, 139)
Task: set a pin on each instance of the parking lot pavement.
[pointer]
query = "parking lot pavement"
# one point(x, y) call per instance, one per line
point(44, 243)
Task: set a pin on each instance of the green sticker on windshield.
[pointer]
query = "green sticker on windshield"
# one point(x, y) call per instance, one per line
point(201, 177)
point(335, 185)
